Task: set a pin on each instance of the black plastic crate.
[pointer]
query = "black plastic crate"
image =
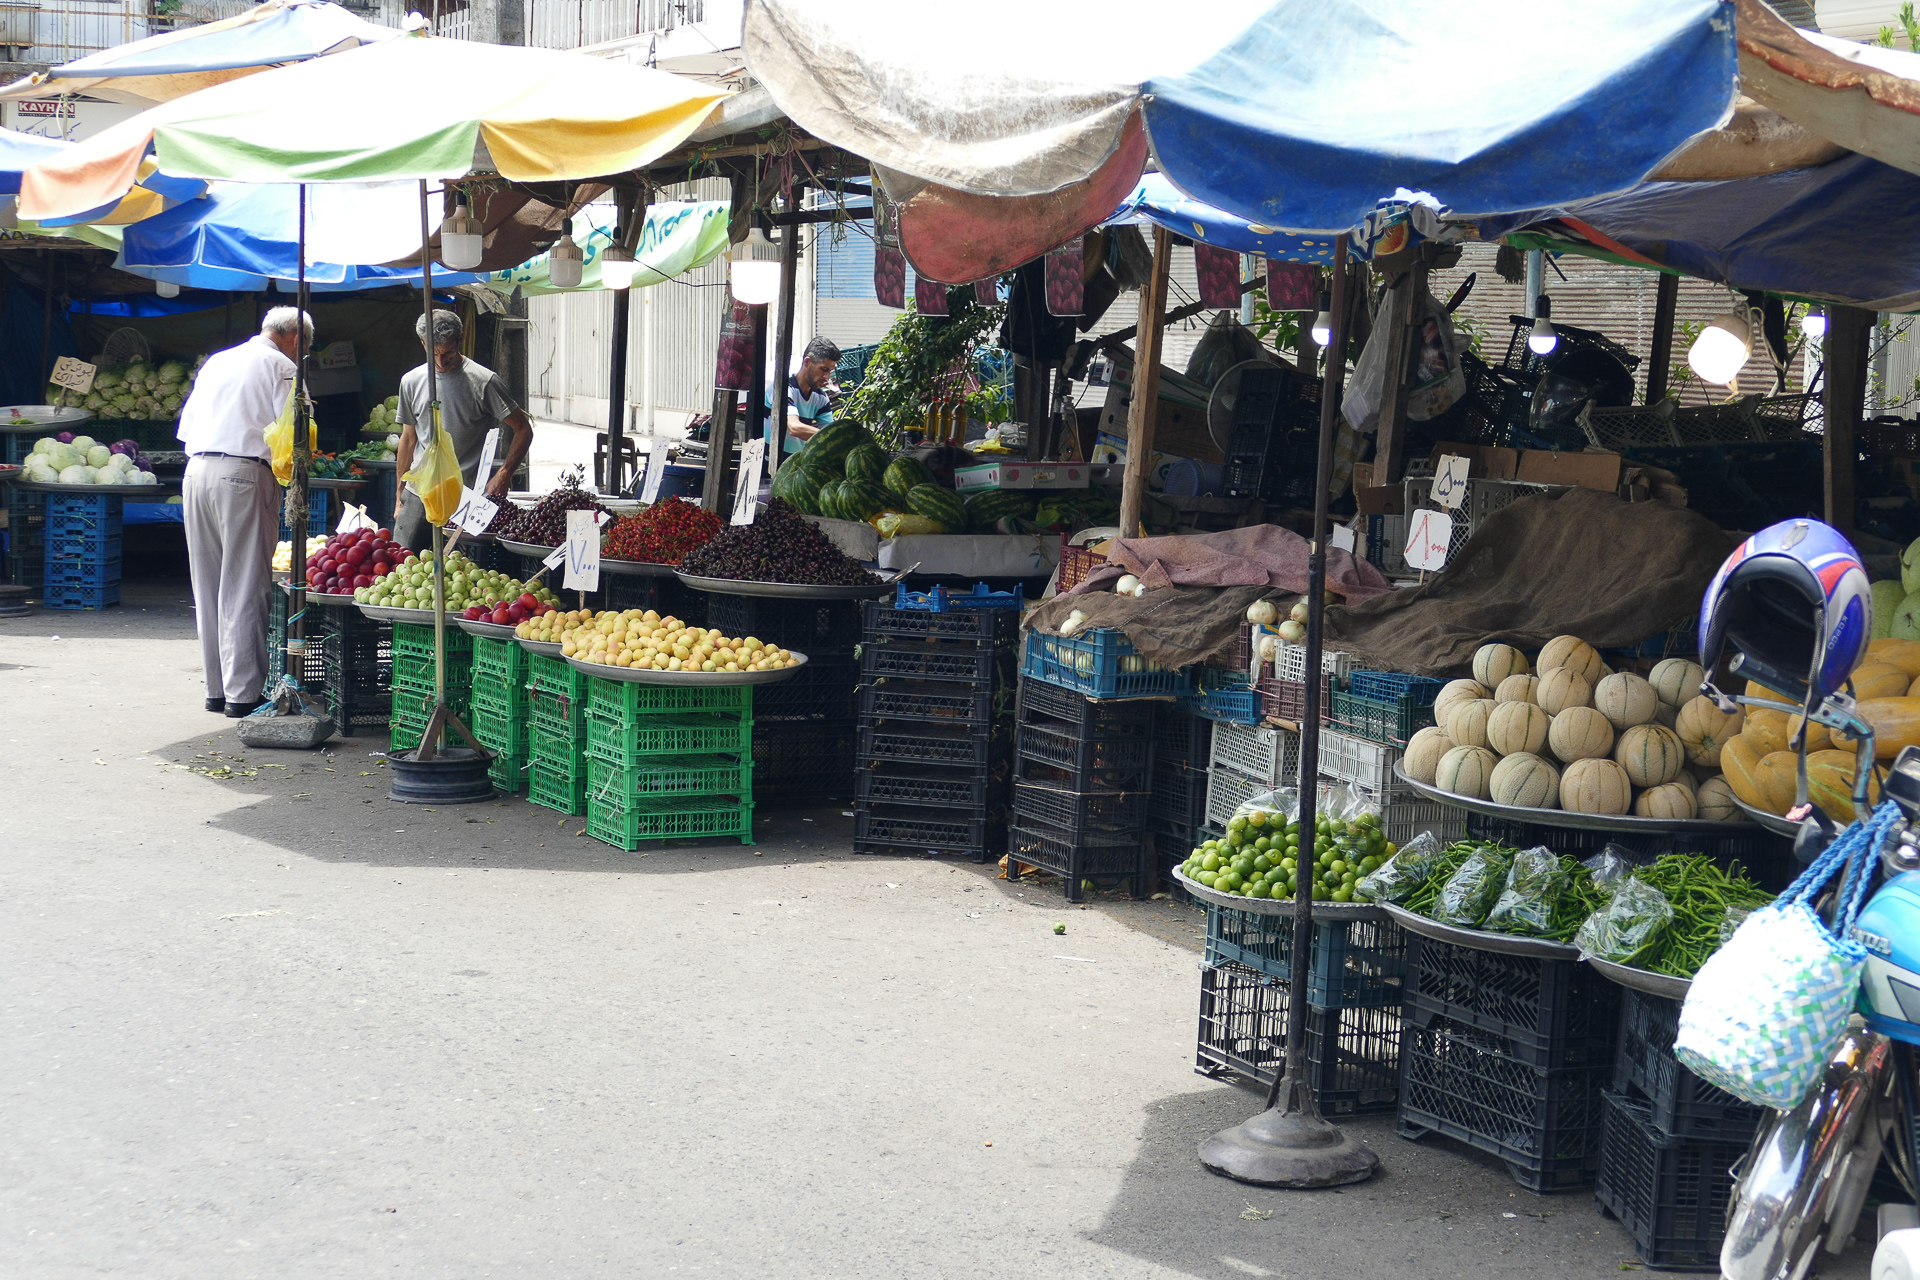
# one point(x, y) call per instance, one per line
point(1551, 1013)
point(1179, 796)
point(1058, 708)
point(980, 788)
point(1680, 1103)
point(1107, 859)
point(1170, 849)
point(1671, 1194)
point(918, 830)
point(1767, 858)
point(622, 591)
point(1180, 737)
point(1353, 1054)
point(934, 701)
point(1062, 748)
point(357, 711)
point(1350, 964)
point(814, 627)
point(967, 664)
point(978, 626)
point(1082, 813)
point(907, 742)
point(802, 761)
point(1027, 769)
point(823, 689)
point(1464, 1084)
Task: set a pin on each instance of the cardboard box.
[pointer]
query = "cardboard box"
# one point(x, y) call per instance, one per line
point(1177, 428)
point(1381, 500)
point(1484, 461)
point(1584, 470)
point(1022, 475)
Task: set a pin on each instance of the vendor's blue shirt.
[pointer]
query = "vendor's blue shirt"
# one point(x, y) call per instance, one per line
point(810, 406)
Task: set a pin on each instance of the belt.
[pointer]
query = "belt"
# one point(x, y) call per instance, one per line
point(243, 457)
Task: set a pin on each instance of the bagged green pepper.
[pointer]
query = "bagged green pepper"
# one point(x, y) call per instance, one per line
point(1534, 885)
point(1402, 875)
point(1474, 888)
point(1630, 928)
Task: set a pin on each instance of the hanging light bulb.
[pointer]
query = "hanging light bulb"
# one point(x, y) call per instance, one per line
point(1814, 323)
point(461, 243)
point(1322, 330)
point(1543, 339)
point(166, 288)
point(616, 267)
point(1720, 352)
point(565, 262)
point(754, 269)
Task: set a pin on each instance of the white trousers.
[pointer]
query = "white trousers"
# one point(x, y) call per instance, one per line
point(233, 514)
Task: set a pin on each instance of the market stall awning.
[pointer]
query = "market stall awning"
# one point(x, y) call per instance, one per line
point(152, 193)
point(413, 107)
point(1859, 96)
point(163, 67)
point(1296, 114)
point(1840, 232)
point(1156, 201)
point(17, 152)
point(676, 239)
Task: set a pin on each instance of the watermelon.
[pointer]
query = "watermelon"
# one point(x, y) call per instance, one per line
point(869, 462)
point(939, 505)
point(987, 508)
point(794, 484)
point(832, 443)
point(865, 499)
point(826, 502)
point(903, 475)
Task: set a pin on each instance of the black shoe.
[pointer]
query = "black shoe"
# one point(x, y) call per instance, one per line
point(216, 705)
point(240, 710)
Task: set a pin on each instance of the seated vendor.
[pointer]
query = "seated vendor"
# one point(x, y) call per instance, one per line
point(807, 395)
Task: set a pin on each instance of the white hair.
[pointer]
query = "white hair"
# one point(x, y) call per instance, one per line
point(447, 328)
point(284, 320)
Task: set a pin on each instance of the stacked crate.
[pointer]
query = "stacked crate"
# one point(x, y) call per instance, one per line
point(357, 664)
point(668, 762)
point(935, 730)
point(1668, 1143)
point(556, 734)
point(500, 709)
point(413, 680)
point(311, 670)
point(1082, 772)
point(1511, 1055)
point(26, 531)
point(81, 564)
point(1177, 794)
point(318, 525)
point(1355, 985)
point(1245, 761)
point(804, 731)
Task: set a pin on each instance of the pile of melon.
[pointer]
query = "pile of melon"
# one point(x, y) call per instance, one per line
point(1567, 732)
point(1762, 769)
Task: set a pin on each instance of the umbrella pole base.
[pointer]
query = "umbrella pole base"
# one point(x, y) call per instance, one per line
point(1288, 1145)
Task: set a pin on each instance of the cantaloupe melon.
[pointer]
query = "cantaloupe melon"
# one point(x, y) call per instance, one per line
point(1714, 802)
point(1561, 688)
point(1669, 801)
point(1766, 730)
point(1493, 663)
point(1819, 737)
point(1904, 654)
point(1740, 766)
point(1704, 729)
point(1625, 699)
point(1467, 722)
point(1595, 786)
point(1676, 680)
point(1666, 715)
point(1779, 777)
point(1572, 651)
point(1423, 753)
point(1880, 680)
point(1580, 733)
point(1685, 778)
point(1516, 689)
point(1830, 776)
point(1895, 721)
point(1651, 754)
point(1525, 780)
point(1454, 691)
point(1466, 771)
point(1517, 727)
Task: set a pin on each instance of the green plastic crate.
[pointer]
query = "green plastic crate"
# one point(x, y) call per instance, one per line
point(627, 743)
point(554, 675)
point(1391, 723)
point(504, 659)
point(509, 772)
point(416, 672)
point(559, 755)
point(624, 700)
point(416, 641)
point(508, 701)
point(687, 777)
point(504, 734)
point(678, 818)
point(556, 792)
point(410, 702)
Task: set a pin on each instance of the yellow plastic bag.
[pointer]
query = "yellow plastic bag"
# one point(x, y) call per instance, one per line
point(435, 478)
point(280, 440)
point(894, 524)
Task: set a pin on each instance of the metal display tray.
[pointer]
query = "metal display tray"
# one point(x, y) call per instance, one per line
point(692, 679)
point(635, 568)
point(533, 549)
point(1653, 984)
point(485, 630)
point(786, 590)
point(1771, 821)
point(1278, 906)
point(412, 617)
point(111, 490)
point(336, 483)
point(41, 417)
point(1625, 823)
point(331, 601)
point(1505, 944)
point(545, 648)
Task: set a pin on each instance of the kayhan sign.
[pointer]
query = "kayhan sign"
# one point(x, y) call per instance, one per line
point(73, 119)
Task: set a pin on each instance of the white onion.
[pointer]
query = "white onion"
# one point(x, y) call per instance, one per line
point(1126, 585)
point(1263, 612)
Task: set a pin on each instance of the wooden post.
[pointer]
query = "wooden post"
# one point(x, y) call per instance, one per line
point(1402, 346)
point(1039, 395)
point(1146, 386)
point(720, 433)
point(1848, 341)
point(1666, 300)
point(783, 339)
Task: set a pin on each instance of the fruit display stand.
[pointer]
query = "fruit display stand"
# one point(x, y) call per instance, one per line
point(498, 702)
point(413, 674)
point(81, 566)
point(556, 729)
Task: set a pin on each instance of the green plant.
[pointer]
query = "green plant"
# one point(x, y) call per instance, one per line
point(1909, 27)
point(926, 361)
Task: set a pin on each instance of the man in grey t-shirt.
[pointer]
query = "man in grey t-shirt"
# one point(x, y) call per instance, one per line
point(473, 401)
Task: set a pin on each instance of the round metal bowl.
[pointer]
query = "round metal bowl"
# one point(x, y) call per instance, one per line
point(412, 617)
point(1505, 944)
point(1771, 821)
point(20, 419)
point(1278, 906)
point(331, 601)
point(785, 590)
point(532, 549)
point(486, 630)
point(1653, 984)
point(635, 568)
point(1625, 823)
point(545, 648)
point(111, 490)
point(340, 484)
point(693, 679)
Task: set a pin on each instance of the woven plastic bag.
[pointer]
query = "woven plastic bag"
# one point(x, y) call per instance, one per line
point(1765, 1011)
point(435, 478)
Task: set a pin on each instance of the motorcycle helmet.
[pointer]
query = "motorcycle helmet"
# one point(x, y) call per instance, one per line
point(1794, 599)
point(1889, 929)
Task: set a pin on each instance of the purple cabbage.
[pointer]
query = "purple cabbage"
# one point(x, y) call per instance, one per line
point(65, 437)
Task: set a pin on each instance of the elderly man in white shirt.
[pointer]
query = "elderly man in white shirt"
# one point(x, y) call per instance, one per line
point(233, 502)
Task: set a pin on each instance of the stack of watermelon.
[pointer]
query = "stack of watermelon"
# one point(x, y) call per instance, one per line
point(843, 474)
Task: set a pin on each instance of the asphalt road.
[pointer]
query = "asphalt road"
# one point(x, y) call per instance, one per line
point(258, 1020)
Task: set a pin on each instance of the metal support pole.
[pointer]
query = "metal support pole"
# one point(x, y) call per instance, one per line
point(783, 342)
point(1848, 343)
point(1536, 279)
point(756, 400)
point(615, 481)
point(296, 504)
point(1666, 301)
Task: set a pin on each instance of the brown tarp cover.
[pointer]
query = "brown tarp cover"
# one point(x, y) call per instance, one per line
point(1580, 563)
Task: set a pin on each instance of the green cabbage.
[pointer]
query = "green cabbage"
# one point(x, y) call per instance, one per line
point(84, 443)
point(393, 404)
point(76, 475)
point(44, 444)
point(99, 456)
point(172, 371)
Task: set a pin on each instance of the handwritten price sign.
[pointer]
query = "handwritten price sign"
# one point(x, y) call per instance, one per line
point(1428, 535)
point(1450, 482)
point(74, 375)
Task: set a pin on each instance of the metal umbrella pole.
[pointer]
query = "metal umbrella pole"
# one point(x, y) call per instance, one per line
point(1290, 1144)
point(297, 497)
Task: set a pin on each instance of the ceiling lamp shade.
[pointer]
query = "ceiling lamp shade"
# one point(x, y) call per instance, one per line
point(754, 269)
point(1721, 351)
point(461, 243)
point(1322, 330)
point(1814, 323)
point(166, 288)
point(616, 267)
point(565, 261)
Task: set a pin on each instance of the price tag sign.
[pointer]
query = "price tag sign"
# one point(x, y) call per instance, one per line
point(753, 456)
point(656, 472)
point(1450, 482)
point(353, 519)
point(1428, 535)
point(74, 375)
point(556, 557)
point(582, 552)
point(475, 512)
point(1342, 538)
point(484, 472)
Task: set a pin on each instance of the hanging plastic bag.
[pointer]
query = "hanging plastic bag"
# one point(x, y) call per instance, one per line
point(435, 478)
point(1765, 1010)
point(1610, 866)
point(1630, 928)
point(1474, 888)
point(280, 439)
point(1404, 874)
point(1534, 885)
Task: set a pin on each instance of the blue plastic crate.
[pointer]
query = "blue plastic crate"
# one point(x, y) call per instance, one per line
point(317, 523)
point(83, 513)
point(1094, 663)
point(73, 572)
point(71, 597)
point(940, 600)
point(1392, 686)
point(74, 546)
point(1228, 704)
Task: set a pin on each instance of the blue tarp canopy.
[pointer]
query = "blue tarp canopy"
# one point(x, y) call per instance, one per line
point(1157, 201)
point(17, 151)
